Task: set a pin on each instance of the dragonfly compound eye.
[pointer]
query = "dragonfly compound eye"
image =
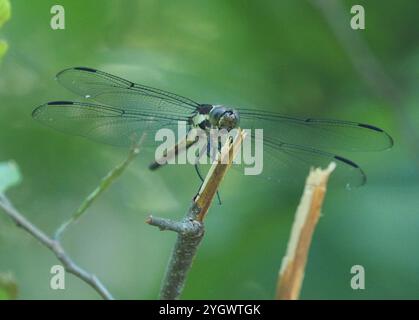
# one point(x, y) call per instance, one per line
point(229, 120)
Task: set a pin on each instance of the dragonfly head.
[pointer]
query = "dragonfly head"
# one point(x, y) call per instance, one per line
point(224, 118)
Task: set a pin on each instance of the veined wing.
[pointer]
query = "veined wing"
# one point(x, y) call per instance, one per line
point(317, 133)
point(111, 90)
point(106, 124)
point(284, 160)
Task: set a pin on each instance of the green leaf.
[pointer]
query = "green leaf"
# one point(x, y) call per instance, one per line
point(9, 175)
point(8, 287)
point(5, 11)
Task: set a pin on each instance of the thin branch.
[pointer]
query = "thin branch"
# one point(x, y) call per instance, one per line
point(104, 184)
point(191, 229)
point(291, 274)
point(190, 233)
point(54, 243)
point(55, 246)
point(172, 225)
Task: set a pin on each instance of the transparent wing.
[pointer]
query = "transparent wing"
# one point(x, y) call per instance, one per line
point(317, 133)
point(289, 164)
point(104, 124)
point(297, 160)
point(111, 90)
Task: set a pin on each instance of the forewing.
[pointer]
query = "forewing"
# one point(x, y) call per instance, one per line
point(111, 90)
point(317, 133)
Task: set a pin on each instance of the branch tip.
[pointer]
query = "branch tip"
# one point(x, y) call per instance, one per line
point(291, 274)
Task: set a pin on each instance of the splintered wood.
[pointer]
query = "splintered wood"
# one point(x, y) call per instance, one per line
point(291, 274)
point(216, 173)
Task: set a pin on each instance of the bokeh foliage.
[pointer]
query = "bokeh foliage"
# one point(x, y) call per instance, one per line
point(5, 13)
point(276, 55)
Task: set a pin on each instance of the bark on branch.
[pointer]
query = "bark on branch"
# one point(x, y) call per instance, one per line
point(190, 229)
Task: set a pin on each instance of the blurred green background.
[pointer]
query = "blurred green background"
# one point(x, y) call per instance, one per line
point(276, 55)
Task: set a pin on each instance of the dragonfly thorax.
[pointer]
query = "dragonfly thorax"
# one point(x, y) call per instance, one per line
point(222, 117)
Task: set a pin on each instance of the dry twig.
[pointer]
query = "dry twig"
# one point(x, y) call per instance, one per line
point(293, 265)
point(191, 229)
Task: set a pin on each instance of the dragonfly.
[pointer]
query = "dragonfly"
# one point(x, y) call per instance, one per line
point(114, 109)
